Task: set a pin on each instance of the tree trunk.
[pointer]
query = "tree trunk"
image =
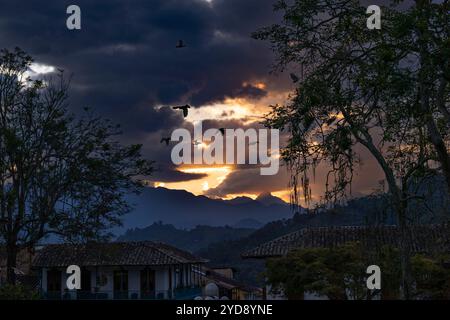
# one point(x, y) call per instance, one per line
point(405, 255)
point(425, 90)
point(405, 252)
point(11, 263)
point(399, 204)
point(441, 149)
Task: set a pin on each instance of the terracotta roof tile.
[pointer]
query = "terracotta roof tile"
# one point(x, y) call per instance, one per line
point(112, 254)
point(421, 238)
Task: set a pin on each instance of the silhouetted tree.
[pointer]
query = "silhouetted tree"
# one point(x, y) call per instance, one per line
point(58, 174)
point(387, 90)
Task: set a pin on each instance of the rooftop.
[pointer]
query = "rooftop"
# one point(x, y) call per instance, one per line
point(422, 238)
point(142, 253)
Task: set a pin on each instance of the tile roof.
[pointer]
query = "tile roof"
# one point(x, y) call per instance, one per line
point(225, 282)
point(422, 238)
point(112, 254)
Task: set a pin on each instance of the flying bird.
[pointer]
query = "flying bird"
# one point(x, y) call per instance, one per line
point(294, 78)
point(184, 108)
point(180, 44)
point(166, 140)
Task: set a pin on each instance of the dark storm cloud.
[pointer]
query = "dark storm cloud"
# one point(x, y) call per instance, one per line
point(249, 180)
point(126, 48)
point(169, 174)
point(124, 62)
point(250, 92)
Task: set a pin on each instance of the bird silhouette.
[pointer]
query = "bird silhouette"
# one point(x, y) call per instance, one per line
point(294, 78)
point(180, 44)
point(184, 108)
point(166, 140)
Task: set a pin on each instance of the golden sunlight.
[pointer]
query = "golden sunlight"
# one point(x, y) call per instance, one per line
point(245, 110)
point(214, 176)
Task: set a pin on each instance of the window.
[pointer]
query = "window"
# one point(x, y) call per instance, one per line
point(54, 284)
point(121, 284)
point(85, 280)
point(85, 291)
point(147, 284)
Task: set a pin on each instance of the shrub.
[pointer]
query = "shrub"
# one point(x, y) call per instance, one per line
point(17, 292)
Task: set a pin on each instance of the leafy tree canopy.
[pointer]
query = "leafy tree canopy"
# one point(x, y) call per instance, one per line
point(340, 273)
point(59, 174)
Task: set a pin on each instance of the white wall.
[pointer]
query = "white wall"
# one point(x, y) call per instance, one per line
point(44, 279)
point(134, 281)
point(161, 280)
point(109, 285)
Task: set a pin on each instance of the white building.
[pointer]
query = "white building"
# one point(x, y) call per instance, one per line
point(119, 270)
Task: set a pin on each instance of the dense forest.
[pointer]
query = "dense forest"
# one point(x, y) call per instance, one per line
point(191, 240)
point(223, 246)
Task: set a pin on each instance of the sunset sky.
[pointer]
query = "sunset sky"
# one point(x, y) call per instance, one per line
point(125, 66)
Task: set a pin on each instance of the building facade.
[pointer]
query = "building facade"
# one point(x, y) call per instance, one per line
point(119, 270)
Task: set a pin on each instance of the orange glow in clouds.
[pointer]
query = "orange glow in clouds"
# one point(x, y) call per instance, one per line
point(215, 176)
point(246, 111)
